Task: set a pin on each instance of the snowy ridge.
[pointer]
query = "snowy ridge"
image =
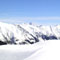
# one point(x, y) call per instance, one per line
point(27, 33)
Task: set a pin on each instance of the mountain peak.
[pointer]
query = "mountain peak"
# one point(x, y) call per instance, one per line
point(27, 33)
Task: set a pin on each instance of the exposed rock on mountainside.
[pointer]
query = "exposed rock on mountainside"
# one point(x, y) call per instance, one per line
point(27, 33)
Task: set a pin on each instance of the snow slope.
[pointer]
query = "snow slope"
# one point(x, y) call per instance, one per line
point(18, 52)
point(49, 50)
point(27, 33)
point(20, 41)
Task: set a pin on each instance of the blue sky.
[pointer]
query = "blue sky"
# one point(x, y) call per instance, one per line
point(36, 11)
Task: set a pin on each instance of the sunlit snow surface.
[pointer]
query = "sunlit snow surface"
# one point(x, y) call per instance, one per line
point(18, 52)
point(29, 42)
point(48, 50)
point(20, 34)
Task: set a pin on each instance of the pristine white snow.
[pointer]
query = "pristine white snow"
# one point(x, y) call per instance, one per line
point(27, 33)
point(48, 50)
point(32, 42)
point(18, 52)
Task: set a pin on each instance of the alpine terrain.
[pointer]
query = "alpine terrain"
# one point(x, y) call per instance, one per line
point(27, 33)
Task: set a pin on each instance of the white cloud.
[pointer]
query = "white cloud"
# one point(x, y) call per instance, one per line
point(28, 19)
point(32, 18)
point(40, 18)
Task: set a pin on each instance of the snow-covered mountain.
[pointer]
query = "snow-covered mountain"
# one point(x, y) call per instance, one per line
point(27, 33)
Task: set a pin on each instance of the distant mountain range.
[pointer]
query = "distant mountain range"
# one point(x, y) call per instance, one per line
point(27, 33)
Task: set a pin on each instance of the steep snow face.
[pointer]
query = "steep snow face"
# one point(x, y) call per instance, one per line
point(16, 34)
point(27, 33)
